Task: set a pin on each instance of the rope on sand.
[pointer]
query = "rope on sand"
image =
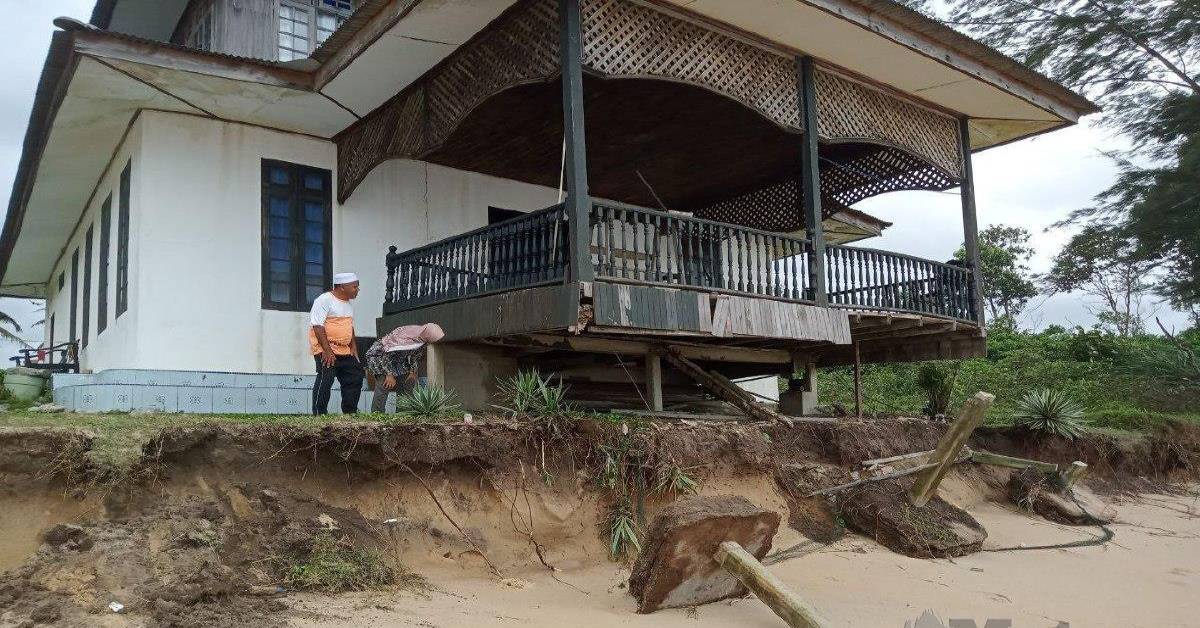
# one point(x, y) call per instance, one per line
point(1096, 540)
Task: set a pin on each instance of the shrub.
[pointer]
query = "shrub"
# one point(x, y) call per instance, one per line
point(529, 394)
point(1049, 411)
point(621, 527)
point(426, 402)
point(937, 380)
point(336, 566)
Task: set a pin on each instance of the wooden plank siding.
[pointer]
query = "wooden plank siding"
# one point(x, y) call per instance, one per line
point(547, 308)
point(647, 307)
point(721, 316)
point(765, 318)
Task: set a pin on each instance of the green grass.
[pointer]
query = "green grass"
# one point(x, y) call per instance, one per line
point(335, 566)
point(119, 437)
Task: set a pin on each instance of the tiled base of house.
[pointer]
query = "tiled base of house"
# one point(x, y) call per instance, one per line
point(194, 392)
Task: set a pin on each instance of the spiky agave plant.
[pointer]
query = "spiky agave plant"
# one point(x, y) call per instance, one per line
point(426, 402)
point(528, 393)
point(1052, 412)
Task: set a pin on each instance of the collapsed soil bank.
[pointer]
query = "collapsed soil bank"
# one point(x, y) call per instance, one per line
point(523, 494)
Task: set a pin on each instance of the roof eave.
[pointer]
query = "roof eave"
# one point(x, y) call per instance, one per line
point(56, 76)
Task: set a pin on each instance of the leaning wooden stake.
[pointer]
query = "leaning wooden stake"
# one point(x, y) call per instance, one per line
point(768, 588)
point(948, 448)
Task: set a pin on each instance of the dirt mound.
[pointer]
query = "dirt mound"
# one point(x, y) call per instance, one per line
point(189, 561)
point(1045, 494)
point(881, 510)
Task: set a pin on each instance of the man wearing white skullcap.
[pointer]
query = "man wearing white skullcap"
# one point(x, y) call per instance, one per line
point(331, 339)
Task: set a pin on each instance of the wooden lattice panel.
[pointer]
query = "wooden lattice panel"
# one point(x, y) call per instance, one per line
point(847, 110)
point(777, 207)
point(520, 48)
point(885, 170)
point(627, 40)
point(623, 39)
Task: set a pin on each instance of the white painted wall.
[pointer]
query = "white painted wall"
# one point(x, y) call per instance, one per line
point(119, 340)
point(195, 223)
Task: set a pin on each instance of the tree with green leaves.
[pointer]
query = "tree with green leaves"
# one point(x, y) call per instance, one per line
point(1138, 60)
point(1004, 264)
point(1103, 262)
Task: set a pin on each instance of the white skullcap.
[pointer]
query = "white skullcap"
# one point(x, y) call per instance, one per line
point(342, 278)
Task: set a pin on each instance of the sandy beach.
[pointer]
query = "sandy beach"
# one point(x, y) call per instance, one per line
point(1148, 576)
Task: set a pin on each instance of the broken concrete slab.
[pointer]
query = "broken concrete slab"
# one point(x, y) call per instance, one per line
point(882, 511)
point(1046, 494)
point(676, 566)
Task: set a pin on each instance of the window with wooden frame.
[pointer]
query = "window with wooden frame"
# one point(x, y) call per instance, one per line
point(102, 286)
point(74, 294)
point(306, 24)
point(87, 282)
point(297, 232)
point(123, 242)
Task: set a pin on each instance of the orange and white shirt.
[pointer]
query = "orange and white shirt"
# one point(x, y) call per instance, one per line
point(337, 316)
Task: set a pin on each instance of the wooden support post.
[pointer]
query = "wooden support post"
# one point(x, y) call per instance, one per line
point(971, 417)
point(654, 381)
point(767, 587)
point(435, 366)
point(810, 181)
point(987, 457)
point(970, 221)
point(1074, 473)
point(578, 202)
point(857, 383)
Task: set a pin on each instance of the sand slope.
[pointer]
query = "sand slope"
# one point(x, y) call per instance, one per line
point(1148, 576)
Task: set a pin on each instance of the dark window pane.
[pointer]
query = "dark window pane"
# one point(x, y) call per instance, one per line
point(314, 272)
point(280, 176)
point(312, 292)
point(281, 292)
point(314, 232)
point(314, 253)
point(281, 249)
point(281, 207)
point(314, 211)
point(282, 268)
point(314, 181)
point(280, 228)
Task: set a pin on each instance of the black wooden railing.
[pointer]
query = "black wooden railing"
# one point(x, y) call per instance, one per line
point(637, 245)
point(525, 251)
point(633, 244)
point(870, 279)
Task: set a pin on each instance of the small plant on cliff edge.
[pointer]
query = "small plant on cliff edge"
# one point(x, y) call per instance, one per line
point(1050, 412)
point(937, 380)
point(335, 566)
point(674, 481)
point(621, 525)
point(529, 394)
point(426, 402)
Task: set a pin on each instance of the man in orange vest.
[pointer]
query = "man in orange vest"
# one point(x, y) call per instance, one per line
point(331, 339)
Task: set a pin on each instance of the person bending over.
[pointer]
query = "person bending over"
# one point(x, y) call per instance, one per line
point(396, 358)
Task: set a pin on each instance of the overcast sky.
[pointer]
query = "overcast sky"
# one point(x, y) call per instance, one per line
point(1032, 183)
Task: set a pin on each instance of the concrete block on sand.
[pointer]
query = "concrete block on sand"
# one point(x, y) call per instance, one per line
point(882, 511)
point(676, 567)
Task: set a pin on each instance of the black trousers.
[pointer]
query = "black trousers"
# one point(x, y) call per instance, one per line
point(349, 373)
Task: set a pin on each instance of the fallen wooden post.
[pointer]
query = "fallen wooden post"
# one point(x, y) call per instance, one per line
point(963, 457)
point(1073, 473)
point(971, 417)
point(1000, 460)
point(876, 462)
point(767, 587)
point(723, 388)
